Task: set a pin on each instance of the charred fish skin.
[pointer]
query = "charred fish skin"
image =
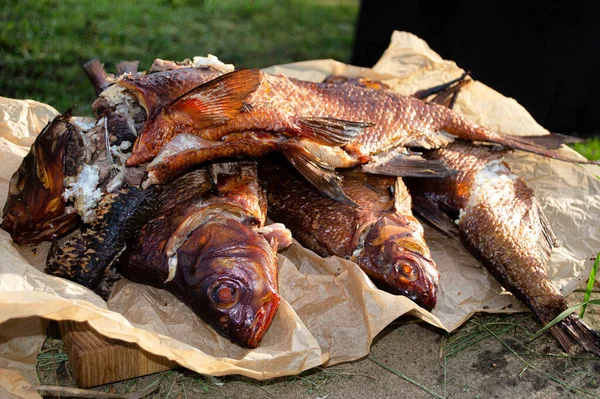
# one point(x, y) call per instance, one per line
point(35, 209)
point(501, 224)
point(379, 234)
point(87, 259)
point(206, 245)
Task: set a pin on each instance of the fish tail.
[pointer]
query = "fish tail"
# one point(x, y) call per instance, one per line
point(572, 330)
point(97, 75)
point(547, 145)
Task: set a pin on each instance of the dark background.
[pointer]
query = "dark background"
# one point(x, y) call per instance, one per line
point(546, 55)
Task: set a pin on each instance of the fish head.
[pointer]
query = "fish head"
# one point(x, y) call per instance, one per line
point(232, 271)
point(398, 260)
point(35, 209)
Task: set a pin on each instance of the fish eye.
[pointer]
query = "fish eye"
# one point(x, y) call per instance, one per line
point(407, 270)
point(225, 294)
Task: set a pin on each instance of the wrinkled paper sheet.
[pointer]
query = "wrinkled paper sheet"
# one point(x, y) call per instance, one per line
point(330, 312)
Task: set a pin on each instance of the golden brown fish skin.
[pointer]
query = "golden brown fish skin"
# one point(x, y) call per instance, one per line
point(237, 184)
point(278, 104)
point(301, 109)
point(207, 105)
point(519, 251)
point(35, 210)
point(380, 234)
point(206, 247)
point(249, 144)
point(502, 225)
point(155, 90)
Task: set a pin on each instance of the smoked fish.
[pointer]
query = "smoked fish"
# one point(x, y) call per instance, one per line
point(207, 244)
point(35, 209)
point(499, 220)
point(362, 125)
point(380, 233)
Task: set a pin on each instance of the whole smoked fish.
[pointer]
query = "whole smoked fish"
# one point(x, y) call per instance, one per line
point(366, 125)
point(379, 234)
point(207, 244)
point(500, 222)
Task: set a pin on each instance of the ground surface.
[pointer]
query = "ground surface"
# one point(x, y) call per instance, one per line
point(491, 356)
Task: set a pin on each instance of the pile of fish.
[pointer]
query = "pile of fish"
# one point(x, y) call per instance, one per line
point(172, 183)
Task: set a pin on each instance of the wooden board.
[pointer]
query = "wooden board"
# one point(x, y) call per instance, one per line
point(97, 360)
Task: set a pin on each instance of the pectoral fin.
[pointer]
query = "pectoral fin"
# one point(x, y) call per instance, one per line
point(429, 211)
point(322, 176)
point(330, 131)
point(396, 164)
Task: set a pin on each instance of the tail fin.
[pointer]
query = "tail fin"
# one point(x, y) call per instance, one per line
point(97, 75)
point(550, 141)
point(572, 330)
point(547, 145)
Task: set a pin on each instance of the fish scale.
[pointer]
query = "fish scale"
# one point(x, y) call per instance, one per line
point(379, 234)
point(206, 243)
point(500, 222)
point(349, 124)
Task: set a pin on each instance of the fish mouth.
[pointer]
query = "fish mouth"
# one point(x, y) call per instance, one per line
point(262, 321)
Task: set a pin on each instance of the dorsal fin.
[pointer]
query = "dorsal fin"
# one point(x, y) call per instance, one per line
point(216, 101)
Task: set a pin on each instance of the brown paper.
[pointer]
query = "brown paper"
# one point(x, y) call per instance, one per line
point(330, 311)
point(13, 385)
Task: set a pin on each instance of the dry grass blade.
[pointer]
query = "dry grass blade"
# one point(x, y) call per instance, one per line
point(255, 385)
point(406, 378)
point(590, 285)
point(88, 393)
point(549, 376)
point(324, 370)
point(475, 331)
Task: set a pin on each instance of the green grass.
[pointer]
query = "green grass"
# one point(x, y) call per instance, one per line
point(43, 43)
point(590, 149)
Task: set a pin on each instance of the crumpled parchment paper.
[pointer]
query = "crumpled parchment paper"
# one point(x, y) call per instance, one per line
point(330, 311)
